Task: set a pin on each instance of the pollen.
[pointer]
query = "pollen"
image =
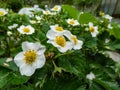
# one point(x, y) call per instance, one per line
point(74, 40)
point(59, 28)
point(1, 13)
point(92, 29)
point(30, 56)
point(72, 22)
point(26, 30)
point(60, 40)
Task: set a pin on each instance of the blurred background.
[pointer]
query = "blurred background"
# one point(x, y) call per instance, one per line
point(111, 7)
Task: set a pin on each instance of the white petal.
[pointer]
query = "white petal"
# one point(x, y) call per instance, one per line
point(27, 70)
point(28, 45)
point(53, 43)
point(19, 59)
point(67, 34)
point(40, 61)
point(68, 46)
point(79, 45)
point(41, 50)
point(90, 24)
point(51, 34)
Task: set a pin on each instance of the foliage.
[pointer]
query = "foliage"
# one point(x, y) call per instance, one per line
point(62, 70)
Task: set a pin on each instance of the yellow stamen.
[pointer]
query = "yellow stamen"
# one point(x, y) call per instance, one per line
point(60, 40)
point(59, 28)
point(30, 56)
point(72, 22)
point(26, 30)
point(92, 29)
point(74, 40)
point(1, 13)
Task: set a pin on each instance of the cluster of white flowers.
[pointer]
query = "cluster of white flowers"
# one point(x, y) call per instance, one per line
point(57, 37)
point(108, 17)
point(32, 56)
point(56, 9)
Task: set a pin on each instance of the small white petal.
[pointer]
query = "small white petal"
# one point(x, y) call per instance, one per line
point(40, 61)
point(79, 45)
point(28, 45)
point(90, 24)
point(27, 70)
point(19, 59)
point(68, 46)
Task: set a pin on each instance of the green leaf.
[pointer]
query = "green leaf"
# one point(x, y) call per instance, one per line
point(115, 31)
point(9, 65)
point(62, 83)
point(23, 87)
point(72, 63)
point(107, 85)
point(2, 52)
point(85, 18)
point(18, 79)
point(72, 12)
point(114, 45)
point(4, 77)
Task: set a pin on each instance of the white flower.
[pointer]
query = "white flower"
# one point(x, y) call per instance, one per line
point(77, 44)
point(46, 12)
point(33, 21)
point(72, 22)
point(108, 17)
point(29, 11)
point(26, 29)
point(31, 58)
point(55, 30)
point(56, 8)
point(38, 18)
point(9, 33)
point(3, 12)
point(90, 76)
point(93, 29)
point(109, 26)
point(60, 42)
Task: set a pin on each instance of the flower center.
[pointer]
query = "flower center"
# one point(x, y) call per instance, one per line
point(59, 28)
point(1, 13)
point(74, 40)
point(26, 30)
point(60, 40)
point(72, 22)
point(92, 29)
point(46, 12)
point(30, 56)
point(56, 8)
point(102, 13)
